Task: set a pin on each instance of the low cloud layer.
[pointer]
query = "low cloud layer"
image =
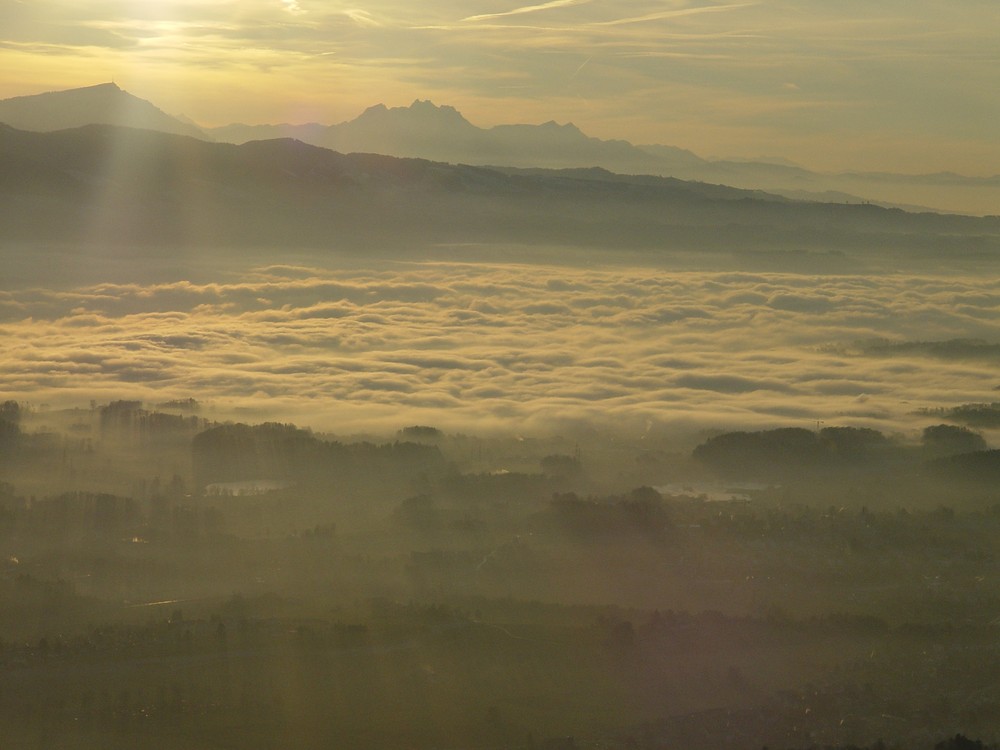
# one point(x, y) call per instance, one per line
point(512, 347)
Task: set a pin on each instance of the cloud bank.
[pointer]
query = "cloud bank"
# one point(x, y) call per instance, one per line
point(511, 347)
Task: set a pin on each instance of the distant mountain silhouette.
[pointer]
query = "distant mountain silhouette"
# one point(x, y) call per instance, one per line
point(441, 133)
point(427, 131)
point(108, 184)
point(101, 104)
point(421, 130)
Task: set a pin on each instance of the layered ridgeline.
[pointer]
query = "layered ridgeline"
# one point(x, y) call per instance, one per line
point(106, 183)
point(441, 133)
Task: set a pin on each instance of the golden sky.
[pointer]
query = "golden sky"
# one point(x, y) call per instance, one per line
point(904, 85)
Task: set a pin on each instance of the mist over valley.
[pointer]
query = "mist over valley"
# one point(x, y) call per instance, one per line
point(512, 347)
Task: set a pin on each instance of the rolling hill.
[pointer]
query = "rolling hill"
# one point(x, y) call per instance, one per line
point(102, 183)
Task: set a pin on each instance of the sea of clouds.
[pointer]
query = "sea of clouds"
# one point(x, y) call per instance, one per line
point(513, 347)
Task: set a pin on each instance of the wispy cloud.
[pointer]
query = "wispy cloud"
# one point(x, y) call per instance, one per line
point(665, 14)
point(362, 17)
point(526, 9)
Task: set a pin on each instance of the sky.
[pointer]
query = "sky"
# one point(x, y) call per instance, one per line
point(901, 85)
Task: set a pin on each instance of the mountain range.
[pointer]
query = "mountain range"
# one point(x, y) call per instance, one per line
point(424, 130)
point(111, 185)
point(441, 133)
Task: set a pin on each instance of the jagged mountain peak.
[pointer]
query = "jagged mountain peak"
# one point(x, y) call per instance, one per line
point(426, 105)
point(567, 126)
point(422, 111)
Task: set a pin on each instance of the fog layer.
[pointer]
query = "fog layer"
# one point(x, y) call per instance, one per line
point(513, 346)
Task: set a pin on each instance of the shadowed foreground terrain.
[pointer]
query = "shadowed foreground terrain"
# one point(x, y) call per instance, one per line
point(232, 585)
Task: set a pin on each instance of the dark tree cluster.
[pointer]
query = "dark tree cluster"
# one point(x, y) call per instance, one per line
point(240, 452)
point(985, 415)
point(791, 449)
point(641, 511)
